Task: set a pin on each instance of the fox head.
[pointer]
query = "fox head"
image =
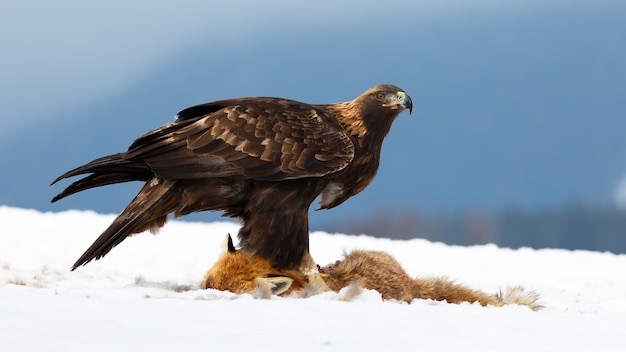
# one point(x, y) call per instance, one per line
point(240, 272)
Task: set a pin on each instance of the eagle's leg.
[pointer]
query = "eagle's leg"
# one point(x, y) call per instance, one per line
point(276, 224)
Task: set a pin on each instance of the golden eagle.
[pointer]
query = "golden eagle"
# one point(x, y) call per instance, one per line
point(262, 160)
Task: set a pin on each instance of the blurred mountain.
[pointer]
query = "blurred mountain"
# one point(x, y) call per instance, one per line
point(574, 226)
point(518, 107)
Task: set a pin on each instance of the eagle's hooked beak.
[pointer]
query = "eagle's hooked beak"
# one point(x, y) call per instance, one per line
point(401, 101)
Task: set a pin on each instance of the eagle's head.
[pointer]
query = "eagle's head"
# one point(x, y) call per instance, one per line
point(387, 97)
point(372, 112)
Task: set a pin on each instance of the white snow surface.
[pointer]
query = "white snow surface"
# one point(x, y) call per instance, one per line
point(145, 295)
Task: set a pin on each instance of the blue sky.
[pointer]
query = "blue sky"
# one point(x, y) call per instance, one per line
point(62, 55)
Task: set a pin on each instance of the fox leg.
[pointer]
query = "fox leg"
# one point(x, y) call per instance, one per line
point(329, 268)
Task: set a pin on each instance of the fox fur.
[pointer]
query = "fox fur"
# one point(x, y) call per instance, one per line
point(240, 272)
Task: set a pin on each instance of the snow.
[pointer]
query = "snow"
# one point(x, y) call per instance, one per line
point(145, 295)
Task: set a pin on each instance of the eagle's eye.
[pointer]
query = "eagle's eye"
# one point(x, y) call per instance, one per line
point(380, 96)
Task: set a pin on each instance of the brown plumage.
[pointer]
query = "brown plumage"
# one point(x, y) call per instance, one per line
point(262, 160)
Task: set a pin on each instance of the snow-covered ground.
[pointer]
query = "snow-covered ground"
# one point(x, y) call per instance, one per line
point(145, 296)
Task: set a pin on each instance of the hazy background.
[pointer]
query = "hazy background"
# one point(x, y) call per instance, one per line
point(517, 135)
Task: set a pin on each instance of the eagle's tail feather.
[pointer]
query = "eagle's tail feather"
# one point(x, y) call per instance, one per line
point(107, 170)
point(148, 211)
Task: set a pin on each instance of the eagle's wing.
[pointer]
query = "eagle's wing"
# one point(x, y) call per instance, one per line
point(258, 138)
